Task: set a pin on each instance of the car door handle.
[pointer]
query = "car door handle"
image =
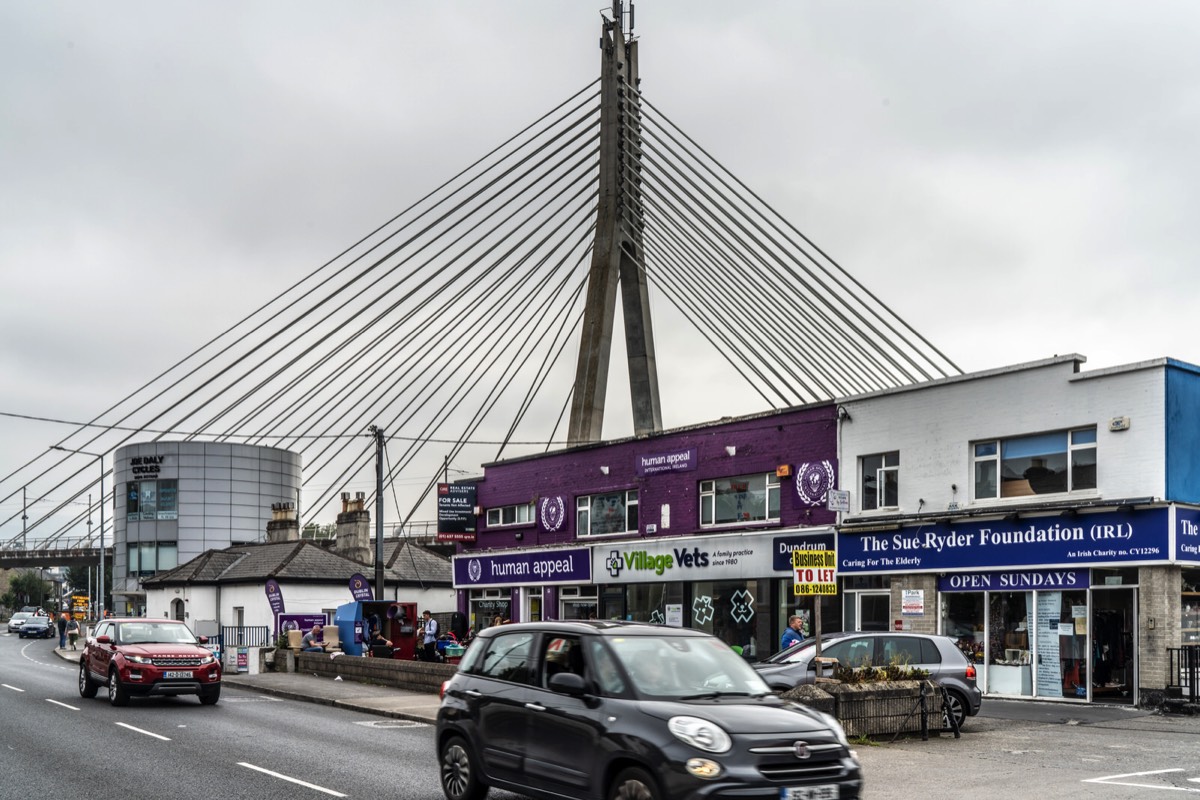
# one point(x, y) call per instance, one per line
point(473, 693)
point(535, 707)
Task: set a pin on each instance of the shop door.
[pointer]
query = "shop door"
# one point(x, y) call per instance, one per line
point(1114, 645)
point(874, 611)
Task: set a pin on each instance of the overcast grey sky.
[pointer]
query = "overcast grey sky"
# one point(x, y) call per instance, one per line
point(1013, 178)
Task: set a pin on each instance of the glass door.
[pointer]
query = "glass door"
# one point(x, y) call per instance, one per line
point(1114, 612)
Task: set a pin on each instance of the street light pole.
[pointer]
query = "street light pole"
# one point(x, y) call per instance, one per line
point(99, 457)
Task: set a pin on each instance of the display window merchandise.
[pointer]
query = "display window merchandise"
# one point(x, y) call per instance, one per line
point(1073, 642)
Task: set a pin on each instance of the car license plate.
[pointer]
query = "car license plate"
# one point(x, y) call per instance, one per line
point(825, 791)
point(169, 675)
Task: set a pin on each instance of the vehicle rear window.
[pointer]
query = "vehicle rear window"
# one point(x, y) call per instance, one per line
point(929, 652)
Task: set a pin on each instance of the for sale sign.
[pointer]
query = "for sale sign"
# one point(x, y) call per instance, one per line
point(814, 572)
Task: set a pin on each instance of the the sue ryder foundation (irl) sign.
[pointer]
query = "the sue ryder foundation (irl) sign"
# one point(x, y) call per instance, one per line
point(1084, 539)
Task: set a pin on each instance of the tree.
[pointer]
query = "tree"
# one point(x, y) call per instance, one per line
point(26, 589)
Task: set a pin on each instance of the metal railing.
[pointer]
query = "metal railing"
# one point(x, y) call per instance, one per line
point(246, 636)
point(1183, 672)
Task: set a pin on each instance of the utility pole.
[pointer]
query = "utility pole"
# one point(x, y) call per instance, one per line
point(379, 587)
point(617, 251)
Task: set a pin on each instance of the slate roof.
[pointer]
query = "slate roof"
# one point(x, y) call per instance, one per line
point(304, 561)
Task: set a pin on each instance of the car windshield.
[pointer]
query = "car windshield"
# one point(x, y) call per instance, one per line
point(154, 633)
point(685, 667)
point(21, 615)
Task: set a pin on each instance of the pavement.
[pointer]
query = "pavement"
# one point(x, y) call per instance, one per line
point(384, 701)
point(396, 703)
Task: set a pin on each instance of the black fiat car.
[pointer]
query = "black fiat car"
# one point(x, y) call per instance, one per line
point(613, 710)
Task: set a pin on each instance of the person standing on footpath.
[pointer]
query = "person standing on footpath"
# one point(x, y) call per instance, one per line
point(429, 630)
point(791, 636)
point(62, 631)
point(72, 631)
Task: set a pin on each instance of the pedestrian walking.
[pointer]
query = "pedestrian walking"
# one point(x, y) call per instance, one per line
point(62, 631)
point(73, 631)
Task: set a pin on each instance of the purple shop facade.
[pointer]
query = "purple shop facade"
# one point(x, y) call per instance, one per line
point(799, 446)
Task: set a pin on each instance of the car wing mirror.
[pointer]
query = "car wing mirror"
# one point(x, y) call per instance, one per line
point(568, 683)
point(202, 639)
point(106, 639)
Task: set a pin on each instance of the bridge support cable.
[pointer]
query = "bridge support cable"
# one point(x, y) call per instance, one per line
point(720, 240)
point(845, 285)
point(380, 269)
point(224, 342)
point(436, 280)
point(745, 263)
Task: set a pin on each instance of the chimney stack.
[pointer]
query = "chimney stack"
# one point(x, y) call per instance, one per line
point(284, 525)
point(354, 530)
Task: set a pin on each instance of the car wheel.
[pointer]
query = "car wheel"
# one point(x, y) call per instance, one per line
point(118, 695)
point(955, 704)
point(633, 784)
point(209, 697)
point(87, 686)
point(460, 779)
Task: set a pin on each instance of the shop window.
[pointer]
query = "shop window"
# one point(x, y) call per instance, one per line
point(521, 514)
point(744, 498)
point(606, 514)
point(1046, 463)
point(880, 481)
point(149, 500)
point(143, 559)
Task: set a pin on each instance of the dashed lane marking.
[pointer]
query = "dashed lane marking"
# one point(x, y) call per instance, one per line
point(296, 781)
point(15, 689)
point(147, 733)
point(64, 705)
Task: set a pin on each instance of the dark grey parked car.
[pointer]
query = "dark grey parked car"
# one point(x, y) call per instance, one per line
point(939, 655)
point(599, 710)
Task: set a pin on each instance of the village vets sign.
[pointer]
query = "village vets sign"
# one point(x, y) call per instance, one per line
point(1137, 536)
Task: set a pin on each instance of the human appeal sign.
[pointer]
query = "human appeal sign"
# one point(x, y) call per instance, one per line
point(1083, 540)
point(541, 567)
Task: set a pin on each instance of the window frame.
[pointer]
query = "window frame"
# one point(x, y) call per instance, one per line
point(1078, 441)
point(583, 511)
point(708, 492)
point(496, 516)
point(889, 467)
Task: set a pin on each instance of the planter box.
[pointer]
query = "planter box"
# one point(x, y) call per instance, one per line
point(872, 709)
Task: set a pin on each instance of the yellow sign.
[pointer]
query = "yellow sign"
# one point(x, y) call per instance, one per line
point(814, 572)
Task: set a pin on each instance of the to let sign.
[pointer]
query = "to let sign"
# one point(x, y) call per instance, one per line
point(814, 572)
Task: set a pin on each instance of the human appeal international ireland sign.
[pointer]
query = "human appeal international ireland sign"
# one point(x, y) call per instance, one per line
point(1084, 539)
point(543, 567)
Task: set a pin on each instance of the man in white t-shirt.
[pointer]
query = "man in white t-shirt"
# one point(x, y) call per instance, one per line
point(429, 629)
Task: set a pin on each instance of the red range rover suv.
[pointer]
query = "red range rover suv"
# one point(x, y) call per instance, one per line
point(139, 656)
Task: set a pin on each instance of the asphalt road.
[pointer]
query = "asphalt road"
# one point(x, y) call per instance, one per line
point(55, 744)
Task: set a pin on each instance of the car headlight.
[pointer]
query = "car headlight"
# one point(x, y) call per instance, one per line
point(700, 733)
point(207, 660)
point(138, 659)
point(836, 727)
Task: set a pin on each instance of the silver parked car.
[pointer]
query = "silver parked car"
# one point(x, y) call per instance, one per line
point(938, 655)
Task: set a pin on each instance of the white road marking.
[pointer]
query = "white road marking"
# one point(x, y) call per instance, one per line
point(15, 689)
point(1112, 780)
point(291, 779)
point(139, 730)
point(64, 705)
